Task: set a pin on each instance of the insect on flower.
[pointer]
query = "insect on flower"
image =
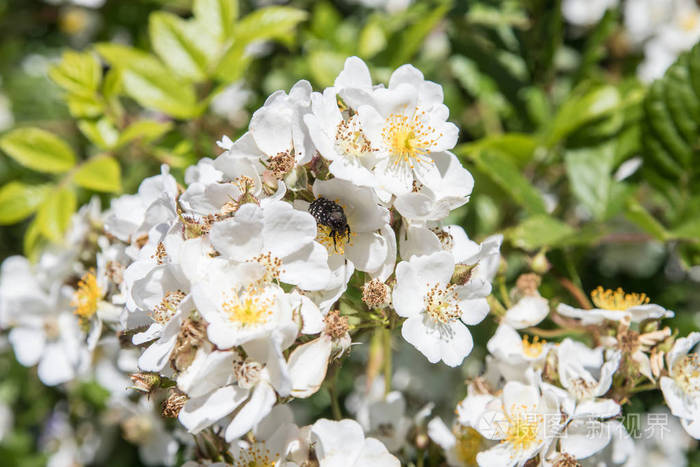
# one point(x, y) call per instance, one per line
point(330, 214)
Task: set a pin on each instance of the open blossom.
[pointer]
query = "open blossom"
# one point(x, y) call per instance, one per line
point(681, 388)
point(343, 444)
point(616, 306)
point(438, 311)
point(523, 418)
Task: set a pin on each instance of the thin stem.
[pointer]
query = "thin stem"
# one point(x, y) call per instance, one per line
point(387, 361)
point(576, 292)
point(419, 458)
point(332, 390)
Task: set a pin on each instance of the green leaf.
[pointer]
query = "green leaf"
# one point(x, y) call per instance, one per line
point(147, 130)
point(32, 240)
point(19, 200)
point(233, 64)
point(520, 147)
point(78, 73)
point(101, 173)
point(671, 132)
point(579, 109)
point(689, 230)
point(538, 231)
point(590, 177)
point(55, 213)
point(84, 107)
point(272, 22)
point(372, 39)
point(150, 83)
point(408, 41)
point(174, 41)
point(218, 16)
point(636, 213)
point(38, 149)
point(325, 66)
point(100, 132)
point(501, 168)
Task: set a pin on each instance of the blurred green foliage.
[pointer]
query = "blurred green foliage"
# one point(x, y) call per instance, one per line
point(100, 98)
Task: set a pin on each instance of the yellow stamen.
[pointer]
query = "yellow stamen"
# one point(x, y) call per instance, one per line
point(334, 242)
point(686, 373)
point(257, 455)
point(469, 444)
point(441, 303)
point(248, 309)
point(86, 298)
point(523, 428)
point(408, 138)
point(533, 349)
point(617, 300)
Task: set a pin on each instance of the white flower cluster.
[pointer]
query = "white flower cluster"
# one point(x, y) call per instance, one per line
point(662, 28)
point(227, 290)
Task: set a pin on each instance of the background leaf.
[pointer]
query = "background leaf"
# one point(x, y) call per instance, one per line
point(101, 173)
point(38, 149)
point(19, 200)
point(55, 213)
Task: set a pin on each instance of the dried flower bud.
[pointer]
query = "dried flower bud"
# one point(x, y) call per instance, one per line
point(462, 274)
point(173, 404)
point(336, 326)
point(376, 294)
point(145, 382)
point(527, 284)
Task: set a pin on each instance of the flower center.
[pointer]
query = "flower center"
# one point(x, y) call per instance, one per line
point(686, 373)
point(523, 428)
point(469, 444)
point(257, 455)
point(248, 309)
point(617, 300)
point(350, 140)
point(533, 349)
point(87, 296)
point(409, 138)
point(333, 240)
point(168, 306)
point(441, 303)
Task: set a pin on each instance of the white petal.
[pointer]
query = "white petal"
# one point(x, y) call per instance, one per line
point(307, 366)
point(201, 412)
point(28, 344)
point(254, 410)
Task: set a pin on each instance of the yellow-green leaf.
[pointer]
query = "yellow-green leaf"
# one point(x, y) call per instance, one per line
point(538, 231)
point(149, 82)
point(268, 23)
point(19, 200)
point(101, 173)
point(218, 16)
point(148, 130)
point(38, 149)
point(55, 213)
point(78, 73)
point(32, 240)
point(174, 40)
point(101, 132)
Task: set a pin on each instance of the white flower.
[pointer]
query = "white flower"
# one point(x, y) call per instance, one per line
point(643, 17)
point(514, 356)
point(436, 310)
point(664, 442)
point(681, 389)
point(450, 190)
point(522, 418)
point(460, 447)
point(371, 243)
point(278, 127)
point(343, 444)
point(586, 12)
point(279, 238)
point(240, 309)
point(616, 306)
point(277, 442)
point(405, 123)
point(583, 371)
point(132, 216)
